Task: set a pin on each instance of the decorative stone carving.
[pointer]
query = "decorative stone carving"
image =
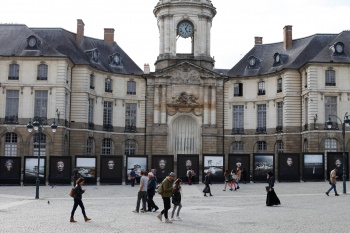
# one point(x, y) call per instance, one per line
point(184, 99)
point(185, 76)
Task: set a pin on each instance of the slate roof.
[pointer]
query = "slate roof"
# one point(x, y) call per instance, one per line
point(315, 48)
point(58, 42)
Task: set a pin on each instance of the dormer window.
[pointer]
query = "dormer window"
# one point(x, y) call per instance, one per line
point(93, 54)
point(253, 62)
point(338, 48)
point(277, 58)
point(32, 42)
point(115, 59)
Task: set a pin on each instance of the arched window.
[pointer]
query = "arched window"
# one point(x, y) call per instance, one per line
point(237, 147)
point(42, 147)
point(279, 147)
point(89, 146)
point(330, 145)
point(106, 146)
point(11, 144)
point(305, 146)
point(130, 147)
point(261, 147)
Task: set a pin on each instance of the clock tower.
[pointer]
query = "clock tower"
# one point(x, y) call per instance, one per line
point(184, 19)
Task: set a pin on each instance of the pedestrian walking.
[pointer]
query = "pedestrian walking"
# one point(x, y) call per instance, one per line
point(167, 188)
point(233, 180)
point(78, 193)
point(189, 175)
point(333, 181)
point(142, 194)
point(238, 176)
point(176, 200)
point(132, 177)
point(193, 176)
point(271, 198)
point(151, 187)
point(207, 182)
point(227, 176)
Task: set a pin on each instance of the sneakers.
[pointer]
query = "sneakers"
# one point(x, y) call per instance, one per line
point(327, 194)
point(168, 221)
point(178, 218)
point(159, 216)
point(135, 211)
point(155, 209)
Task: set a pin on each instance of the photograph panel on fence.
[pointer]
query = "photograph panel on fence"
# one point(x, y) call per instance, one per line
point(111, 168)
point(288, 167)
point(31, 170)
point(164, 164)
point(215, 165)
point(86, 166)
point(241, 161)
point(10, 170)
point(335, 159)
point(313, 169)
point(60, 169)
point(186, 162)
point(262, 164)
point(138, 163)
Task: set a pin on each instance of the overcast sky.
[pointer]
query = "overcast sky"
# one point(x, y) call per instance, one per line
point(234, 27)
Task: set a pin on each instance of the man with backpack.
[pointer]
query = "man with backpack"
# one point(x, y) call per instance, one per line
point(166, 190)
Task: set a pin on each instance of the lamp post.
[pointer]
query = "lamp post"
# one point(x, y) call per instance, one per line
point(345, 123)
point(38, 126)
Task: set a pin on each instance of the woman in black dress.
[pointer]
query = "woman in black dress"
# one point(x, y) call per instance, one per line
point(207, 182)
point(271, 198)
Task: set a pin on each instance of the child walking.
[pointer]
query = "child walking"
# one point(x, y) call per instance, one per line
point(176, 200)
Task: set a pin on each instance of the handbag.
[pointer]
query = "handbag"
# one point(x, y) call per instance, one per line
point(206, 190)
point(72, 192)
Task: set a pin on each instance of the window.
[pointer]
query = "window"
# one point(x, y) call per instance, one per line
point(238, 89)
point(331, 109)
point(90, 146)
point(130, 147)
point(42, 145)
point(40, 105)
point(11, 144)
point(237, 147)
point(131, 88)
point(106, 146)
point(330, 145)
point(279, 85)
point(330, 78)
point(130, 117)
point(42, 72)
point(238, 119)
point(279, 127)
point(91, 114)
point(14, 72)
point(107, 116)
point(261, 118)
point(108, 85)
point(12, 99)
point(92, 81)
point(262, 147)
point(279, 146)
point(261, 88)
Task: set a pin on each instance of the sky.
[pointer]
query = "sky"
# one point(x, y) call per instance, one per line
point(234, 27)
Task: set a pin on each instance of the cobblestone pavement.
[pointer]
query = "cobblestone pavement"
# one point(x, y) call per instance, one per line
point(305, 208)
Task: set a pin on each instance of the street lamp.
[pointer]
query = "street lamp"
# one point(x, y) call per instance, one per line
point(346, 123)
point(38, 126)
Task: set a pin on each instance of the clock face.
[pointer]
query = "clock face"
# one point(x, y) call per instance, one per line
point(185, 29)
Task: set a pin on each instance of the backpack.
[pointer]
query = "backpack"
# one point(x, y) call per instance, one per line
point(160, 189)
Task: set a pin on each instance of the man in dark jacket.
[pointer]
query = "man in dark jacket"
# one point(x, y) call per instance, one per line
point(151, 187)
point(167, 187)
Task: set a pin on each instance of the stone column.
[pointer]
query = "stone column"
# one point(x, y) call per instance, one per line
point(213, 106)
point(161, 35)
point(156, 105)
point(206, 106)
point(163, 105)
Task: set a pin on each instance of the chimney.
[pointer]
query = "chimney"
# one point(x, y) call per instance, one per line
point(146, 69)
point(80, 31)
point(258, 40)
point(288, 38)
point(109, 36)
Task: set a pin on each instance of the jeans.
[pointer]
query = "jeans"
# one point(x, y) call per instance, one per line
point(178, 211)
point(141, 195)
point(151, 203)
point(333, 186)
point(132, 182)
point(167, 206)
point(76, 203)
point(237, 181)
